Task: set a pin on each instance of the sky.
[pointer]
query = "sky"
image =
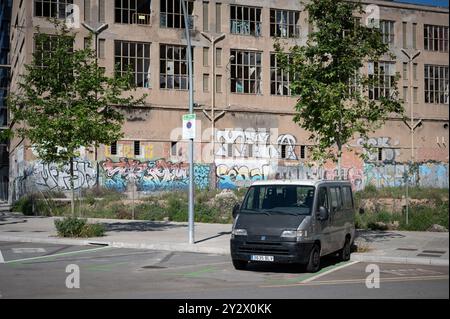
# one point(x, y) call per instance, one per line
point(440, 3)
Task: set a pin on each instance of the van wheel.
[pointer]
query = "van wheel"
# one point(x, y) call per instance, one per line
point(239, 264)
point(313, 264)
point(344, 253)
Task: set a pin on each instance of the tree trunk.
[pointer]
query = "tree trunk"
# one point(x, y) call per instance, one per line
point(339, 161)
point(72, 188)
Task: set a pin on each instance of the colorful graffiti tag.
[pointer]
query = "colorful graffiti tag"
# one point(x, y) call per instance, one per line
point(230, 176)
point(157, 175)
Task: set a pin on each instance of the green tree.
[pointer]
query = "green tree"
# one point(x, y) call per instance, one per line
point(66, 101)
point(333, 94)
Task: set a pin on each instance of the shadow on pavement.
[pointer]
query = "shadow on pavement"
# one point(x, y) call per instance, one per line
point(291, 268)
point(212, 237)
point(377, 236)
point(140, 226)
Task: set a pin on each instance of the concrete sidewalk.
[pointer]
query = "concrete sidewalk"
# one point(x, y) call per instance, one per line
point(389, 246)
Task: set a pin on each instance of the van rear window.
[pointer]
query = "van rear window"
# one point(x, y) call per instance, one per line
point(289, 199)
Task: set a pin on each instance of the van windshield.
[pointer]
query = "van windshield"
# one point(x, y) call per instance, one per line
point(282, 199)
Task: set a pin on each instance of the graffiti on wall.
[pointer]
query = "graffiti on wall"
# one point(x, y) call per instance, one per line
point(149, 176)
point(52, 176)
point(255, 144)
point(231, 175)
point(389, 149)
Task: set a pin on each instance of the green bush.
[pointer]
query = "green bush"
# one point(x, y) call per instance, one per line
point(78, 227)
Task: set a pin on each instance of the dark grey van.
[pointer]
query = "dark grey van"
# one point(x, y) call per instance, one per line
point(293, 222)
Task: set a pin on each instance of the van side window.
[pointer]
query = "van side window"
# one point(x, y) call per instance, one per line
point(250, 202)
point(322, 198)
point(335, 197)
point(347, 197)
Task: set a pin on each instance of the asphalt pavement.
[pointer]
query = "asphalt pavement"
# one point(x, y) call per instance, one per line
point(37, 270)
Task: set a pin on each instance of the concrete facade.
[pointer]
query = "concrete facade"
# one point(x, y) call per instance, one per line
point(278, 148)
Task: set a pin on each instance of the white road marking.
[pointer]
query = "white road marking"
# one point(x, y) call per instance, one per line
point(2, 261)
point(28, 250)
point(328, 272)
point(57, 255)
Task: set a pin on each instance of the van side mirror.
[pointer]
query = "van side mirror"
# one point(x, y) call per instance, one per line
point(236, 210)
point(361, 211)
point(323, 213)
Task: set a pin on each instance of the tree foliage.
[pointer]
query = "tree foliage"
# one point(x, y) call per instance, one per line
point(326, 72)
point(66, 101)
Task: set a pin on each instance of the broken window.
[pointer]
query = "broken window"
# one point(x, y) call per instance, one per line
point(132, 11)
point(383, 76)
point(171, 14)
point(51, 8)
point(436, 84)
point(435, 38)
point(133, 57)
point(279, 79)
point(284, 23)
point(245, 20)
point(173, 67)
point(246, 72)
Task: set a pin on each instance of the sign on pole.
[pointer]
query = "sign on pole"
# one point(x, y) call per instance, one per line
point(189, 126)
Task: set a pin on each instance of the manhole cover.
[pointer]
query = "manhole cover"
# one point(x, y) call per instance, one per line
point(154, 267)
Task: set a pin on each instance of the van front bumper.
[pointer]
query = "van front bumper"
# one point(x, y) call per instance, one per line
point(282, 251)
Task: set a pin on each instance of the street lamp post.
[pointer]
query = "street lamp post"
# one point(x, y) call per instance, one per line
point(191, 111)
point(412, 125)
point(96, 32)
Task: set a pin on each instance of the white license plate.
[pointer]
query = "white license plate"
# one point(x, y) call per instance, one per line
point(261, 258)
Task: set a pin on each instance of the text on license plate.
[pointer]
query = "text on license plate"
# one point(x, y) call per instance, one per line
point(261, 258)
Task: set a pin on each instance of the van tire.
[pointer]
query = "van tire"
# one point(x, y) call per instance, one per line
point(240, 264)
point(313, 264)
point(345, 252)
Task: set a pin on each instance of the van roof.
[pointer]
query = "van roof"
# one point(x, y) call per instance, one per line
point(306, 182)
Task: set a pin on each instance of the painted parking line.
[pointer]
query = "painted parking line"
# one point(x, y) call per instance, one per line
point(329, 271)
point(2, 260)
point(363, 281)
point(28, 250)
point(56, 255)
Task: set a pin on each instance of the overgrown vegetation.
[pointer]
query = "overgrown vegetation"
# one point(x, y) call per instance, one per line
point(78, 227)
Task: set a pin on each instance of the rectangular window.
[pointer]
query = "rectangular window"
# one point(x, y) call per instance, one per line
point(415, 71)
point(405, 94)
point(246, 72)
point(87, 43)
point(205, 82)
point(218, 57)
point(280, 80)
point(383, 75)
point(113, 148)
point(132, 11)
point(173, 67)
point(415, 99)
point(284, 23)
point(387, 31)
point(173, 148)
point(101, 48)
point(302, 151)
point(218, 17)
point(205, 16)
point(245, 20)
point(380, 154)
point(405, 71)
point(87, 10)
point(218, 83)
point(44, 48)
point(404, 35)
point(101, 10)
point(435, 38)
point(51, 8)
point(171, 14)
point(135, 57)
point(436, 84)
point(414, 35)
point(347, 197)
point(205, 56)
point(137, 148)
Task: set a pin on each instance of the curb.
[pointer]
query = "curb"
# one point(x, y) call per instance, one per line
point(87, 242)
point(399, 260)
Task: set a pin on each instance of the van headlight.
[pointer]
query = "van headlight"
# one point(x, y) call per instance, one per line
point(239, 232)
point(298, 234)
